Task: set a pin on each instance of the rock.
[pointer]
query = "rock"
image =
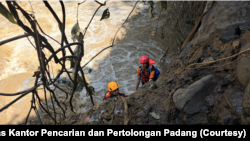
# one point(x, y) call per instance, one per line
point(230, 33)
point(191, 100)
point(243, 67)
point(225, 117)
point(62, 79)
point(197, 119)
point(178, 100)
point(245, 116)
point(197, 91)
point(236, 44)
point(69, 83)
point(193, 73)
point(210, 100)
point(208, 59)
point(87, 70)
point(220, 16)
point(233, 98)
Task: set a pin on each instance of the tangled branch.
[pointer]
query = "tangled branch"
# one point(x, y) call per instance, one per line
point(42, 75)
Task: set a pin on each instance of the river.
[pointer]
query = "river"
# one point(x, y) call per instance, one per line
point(18, 59)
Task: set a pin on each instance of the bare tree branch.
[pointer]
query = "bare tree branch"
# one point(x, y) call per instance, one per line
point(13, 39)
point(12, 102)
point(22, 92)
point(43, 73)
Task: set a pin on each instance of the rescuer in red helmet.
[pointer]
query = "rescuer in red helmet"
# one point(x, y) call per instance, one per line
point(146, 71)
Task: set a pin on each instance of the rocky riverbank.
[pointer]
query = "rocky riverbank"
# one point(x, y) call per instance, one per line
point(207, 81)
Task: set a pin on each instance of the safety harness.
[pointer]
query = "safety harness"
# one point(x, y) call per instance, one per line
point(145, 77)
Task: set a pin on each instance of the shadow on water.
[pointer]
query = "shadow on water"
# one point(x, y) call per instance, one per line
point(119, 63)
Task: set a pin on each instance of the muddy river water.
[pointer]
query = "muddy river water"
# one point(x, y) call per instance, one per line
point(18, 59)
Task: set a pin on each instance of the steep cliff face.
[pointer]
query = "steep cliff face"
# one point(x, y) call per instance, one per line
point(205, 83)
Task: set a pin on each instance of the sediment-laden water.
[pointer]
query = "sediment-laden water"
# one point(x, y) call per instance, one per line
point(18, 59)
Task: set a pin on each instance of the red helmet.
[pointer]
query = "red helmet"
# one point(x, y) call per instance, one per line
point(144, 59)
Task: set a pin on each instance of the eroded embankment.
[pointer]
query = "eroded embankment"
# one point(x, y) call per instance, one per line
point(189, 90)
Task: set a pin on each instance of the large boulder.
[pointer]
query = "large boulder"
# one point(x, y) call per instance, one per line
point(179, 99)
point(221, 15)
point(243, 67)
point(191, 100)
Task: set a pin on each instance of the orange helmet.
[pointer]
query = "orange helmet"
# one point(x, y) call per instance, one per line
point(112, 86)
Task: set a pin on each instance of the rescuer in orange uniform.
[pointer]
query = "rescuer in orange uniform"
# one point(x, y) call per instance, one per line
point(113, 91)
point(146, 71)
